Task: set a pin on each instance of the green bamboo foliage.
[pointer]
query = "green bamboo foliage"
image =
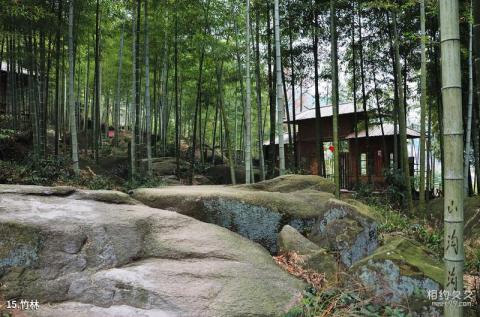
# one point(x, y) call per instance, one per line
point(453, 151)
point(333, 30)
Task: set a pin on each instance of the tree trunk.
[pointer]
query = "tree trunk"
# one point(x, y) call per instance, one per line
point(71, 101)
point(318, 116)
point(133, 119)
point(423, 105)
point(57, 75)
point(228, 140)
point(334, 57)
point(177, 110)
point(138, 129)
point(96, 108)
point(259, 95)
point(466, 169)
point(453, 137)
point(147, 98)
point(116, 118)
point(198, 99)
point(354, 93)
point(271, 95)
point(402, 119)
point(370, 157)
point(294, 113)
point(281, 150)
point(248, 116)
point(476, 54)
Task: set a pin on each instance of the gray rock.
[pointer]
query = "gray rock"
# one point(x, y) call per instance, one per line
point(346, 229)
point(256, 214)
point(90, 258)
point(311, 255)
point(398, 270)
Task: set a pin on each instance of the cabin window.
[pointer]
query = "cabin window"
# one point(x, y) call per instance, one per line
point(363, 164)
point(391, 160)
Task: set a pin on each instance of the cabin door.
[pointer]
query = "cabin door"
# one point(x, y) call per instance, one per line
point(344, 168)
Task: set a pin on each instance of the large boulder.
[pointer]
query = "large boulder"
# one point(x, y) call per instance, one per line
point(162, 166)
point(291, 183)
point(347, 229)
point(257, 215)
point(311, 255)
point(398, 270)
point(260, 211)
point(92, 258)
point(220, 174)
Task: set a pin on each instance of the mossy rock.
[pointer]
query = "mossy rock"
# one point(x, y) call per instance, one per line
point(106, 196)
point(399, 269)
point(66, 250)
point(36, 190)
point(312, 256)
point(347, 229)
point(257, 215)
point(291, 183)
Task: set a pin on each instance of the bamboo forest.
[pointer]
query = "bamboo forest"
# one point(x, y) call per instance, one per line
point(239, 158)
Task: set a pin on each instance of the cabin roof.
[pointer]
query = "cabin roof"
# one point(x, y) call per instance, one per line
point(327, 111)
point(388, 130)
point(285, 140)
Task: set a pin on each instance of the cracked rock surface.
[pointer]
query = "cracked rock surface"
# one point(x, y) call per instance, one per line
point(86, 253)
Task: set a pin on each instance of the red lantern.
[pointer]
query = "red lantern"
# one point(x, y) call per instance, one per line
point(331, 148)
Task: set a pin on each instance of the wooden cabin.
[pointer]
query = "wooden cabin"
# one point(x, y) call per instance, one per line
point(349, 164)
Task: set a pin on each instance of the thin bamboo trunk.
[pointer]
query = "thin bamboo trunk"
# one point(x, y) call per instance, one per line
point(470, 106)
point(453, 138)
point(228, 140)
point(116, 119)
point(248, 103)
point(423, 104)
point(259, 95)
point(71, 100)
point(57, 76)
point(147, 97)
point(133, 123)
point(334, 57)
point(402, 119)
point(280, 116)
point(318, 129)
point(177, 110)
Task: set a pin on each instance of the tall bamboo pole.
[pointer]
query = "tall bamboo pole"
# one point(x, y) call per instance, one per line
point(423, 104)
point(468, 137)
point(279, 95)
point(248, 105)
point(147, 97)
point(453, 151)
point(133, 121)
point(71, 101)
point(402, 118)
point(333, 31)
point(116, 119)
